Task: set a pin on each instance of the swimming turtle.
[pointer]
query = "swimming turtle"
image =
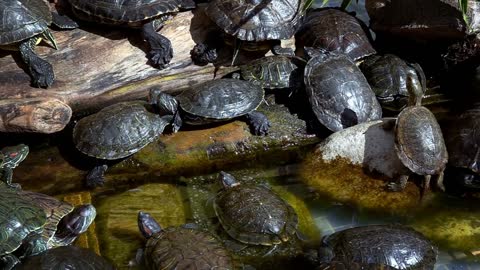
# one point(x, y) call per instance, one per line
point(253, 25)
point(253, 214)
point(66, 257)
point(31, 223)
point(115, 132)
point(23, 24)
point(390, 76)
point(10, 157)
point(215, 101)
point(184, 247)
point(339, 93)
point(335, 30)
point(419, 142)
point(396, 246)
point(149, 15)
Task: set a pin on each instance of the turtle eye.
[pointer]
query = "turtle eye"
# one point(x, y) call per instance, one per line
point(14, 154)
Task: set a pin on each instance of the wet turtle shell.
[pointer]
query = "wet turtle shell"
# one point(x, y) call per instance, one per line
point(338, 92)
point(335, 30)
point(419, 141)
point(219, 100)
point(253, 214)
point(23, 19)
point(118, 130)
point(185, 248)
point(257, 20)
point(66, 257)
point(393, 245)
point(273, 72)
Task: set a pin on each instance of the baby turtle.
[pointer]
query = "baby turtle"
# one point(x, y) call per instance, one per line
point(149, 15)
point(23, 23)
point(31, 223)
point(396, 246)
point(335, 30)
point(67, 257)
point(215, 101)
point(180, 247)
point(253, 214)
point(338, 91)
point(390, 76)
point(419, 142)
point(115, 132)
point(10, 157)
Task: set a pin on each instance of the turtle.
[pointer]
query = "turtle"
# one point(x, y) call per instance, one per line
point(149, 15)
point(252, 25)
point(419, 142)
point(116, 132)
point(23, 24)
point(31, 223)
point(397, 246)
point(66, 257)
point(10, 157)
point(353, 266)
point(214, 101)
point(387, 75)
point(253, 214)
point(183, 247)
point(335, 30)
point(339, 93)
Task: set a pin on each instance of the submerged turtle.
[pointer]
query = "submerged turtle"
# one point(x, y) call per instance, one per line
point(335, 30)
point(181, 247)
point(396, 246)
point(149, 15)
point(31, 223)
point(253, 214)
point(23, 23)
point(253, 25)
point(390, 76)
point(115, 132)
point(338, 92)
point(215, 101)
point(67, 257)
point(10, 157)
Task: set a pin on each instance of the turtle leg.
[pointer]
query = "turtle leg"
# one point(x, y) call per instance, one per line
point(440, 184)
point(277, 49)
point(33, 245)
point(40, 70)
point(161, 52)
point(398, 185)
point(96, 176)
point(63, 21)
point(425, 186)
point(206, 52)
point(9, 261)
point(7, 178)
point(258, 123)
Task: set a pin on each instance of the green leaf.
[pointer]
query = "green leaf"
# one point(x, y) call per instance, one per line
point(345, 4)
point(463, 7)
point(309, 3)
point(324, 2)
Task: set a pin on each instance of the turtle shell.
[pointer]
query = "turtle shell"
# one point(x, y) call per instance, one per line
point(255, 20)
point(338, 92)
point(335, 30)
point(118, 130)
point(66, 257)
point(221, 99)
point(22, 19)
point(272, 72)
point(253, 214)
point(419, 141)
point(185, 248)
point(392, 245)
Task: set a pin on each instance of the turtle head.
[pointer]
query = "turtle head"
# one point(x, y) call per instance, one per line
point(147, 225)
point(416, 85)
point(165, 103)
point(75, 223)
point(13, 155)
point(227, 180)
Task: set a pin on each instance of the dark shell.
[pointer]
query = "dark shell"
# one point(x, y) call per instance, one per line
point(353, 266)
point(255, 215)
point(393, 245)
point(273, 72)
point(118, 130)
point(335, 86)
point(221, 99)
point(419, 141)
point(118, 12)
point(22, 19)
point(253, 21)
point(335, 30)
point(184, 248)
point(66, 257)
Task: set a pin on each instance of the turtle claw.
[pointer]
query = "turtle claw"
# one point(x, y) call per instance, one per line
point(259, 123)
point(41, 72)
point(161, 57)
point(201, 54)
point(95, 177)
